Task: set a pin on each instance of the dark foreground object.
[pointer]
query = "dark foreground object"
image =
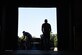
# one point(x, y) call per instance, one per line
point(39, 52)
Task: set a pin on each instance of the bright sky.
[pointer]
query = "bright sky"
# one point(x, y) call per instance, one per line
point(31, 20)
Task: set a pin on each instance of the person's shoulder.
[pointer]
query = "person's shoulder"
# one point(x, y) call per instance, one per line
point(49, 24)
point(28, 33)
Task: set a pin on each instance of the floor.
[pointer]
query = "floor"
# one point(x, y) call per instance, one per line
point(39, 52)
point(36, 51)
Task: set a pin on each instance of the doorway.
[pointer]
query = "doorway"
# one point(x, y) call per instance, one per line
point(30, 19)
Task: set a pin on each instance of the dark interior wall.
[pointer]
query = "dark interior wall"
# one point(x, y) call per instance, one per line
point(77, 25)
point(64, 26)
point(37, 3)
point(0, 26)
point(9, 25)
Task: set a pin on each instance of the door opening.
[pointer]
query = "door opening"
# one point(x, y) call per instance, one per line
point(30, 20)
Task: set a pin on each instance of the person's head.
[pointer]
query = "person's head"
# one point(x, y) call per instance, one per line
point(23, 32)
point(45, 21)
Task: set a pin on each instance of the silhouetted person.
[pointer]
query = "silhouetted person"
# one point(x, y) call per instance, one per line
point(28, 39)
point(23, 41)
point(46, 29)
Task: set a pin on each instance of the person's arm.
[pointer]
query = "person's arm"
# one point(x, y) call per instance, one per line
point(23, 37)
point(50, 28)
point(42, 28)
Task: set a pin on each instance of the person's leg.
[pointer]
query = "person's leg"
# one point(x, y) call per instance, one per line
point(45, 41)
point(48, 42)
